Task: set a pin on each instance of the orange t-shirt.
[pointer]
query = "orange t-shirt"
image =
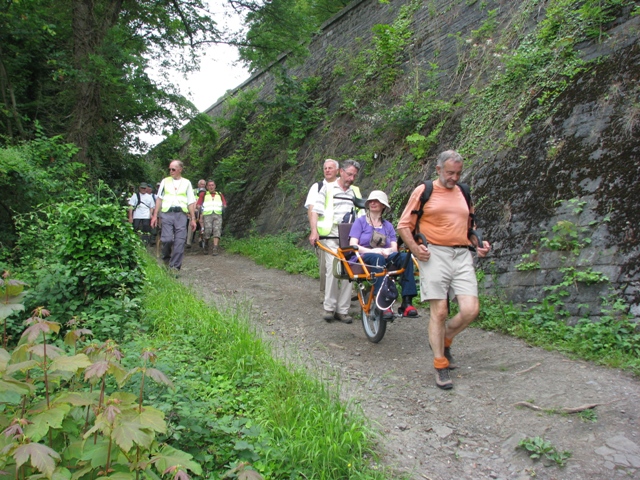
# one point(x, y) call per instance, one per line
point(445, 219)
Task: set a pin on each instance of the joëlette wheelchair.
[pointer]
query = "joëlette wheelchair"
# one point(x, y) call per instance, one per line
point(349, 265)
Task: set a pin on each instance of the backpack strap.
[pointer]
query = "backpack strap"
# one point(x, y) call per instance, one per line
point(138, 197)
point(424, 198)
point(320, 185)
point(426, 193)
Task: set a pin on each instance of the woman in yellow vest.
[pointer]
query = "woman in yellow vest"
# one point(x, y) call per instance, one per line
point(213, 204)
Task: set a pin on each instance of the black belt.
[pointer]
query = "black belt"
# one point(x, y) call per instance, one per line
point(175, 209)
point(452, 246)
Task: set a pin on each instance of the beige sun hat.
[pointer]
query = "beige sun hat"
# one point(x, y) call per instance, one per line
point(377, 195)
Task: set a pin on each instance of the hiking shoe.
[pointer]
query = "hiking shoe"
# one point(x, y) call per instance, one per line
point(443, 379)
point(409, 311)
point(328, 316)
point(387, 314)
point(448, 356)
point(343, 317)
point(215, 250)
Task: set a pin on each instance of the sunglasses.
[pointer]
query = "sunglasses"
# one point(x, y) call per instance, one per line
point(173, 169)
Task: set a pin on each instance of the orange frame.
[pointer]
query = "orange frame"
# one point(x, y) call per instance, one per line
point(359, 278)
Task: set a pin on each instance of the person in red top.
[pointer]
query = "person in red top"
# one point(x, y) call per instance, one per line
point(445, 262)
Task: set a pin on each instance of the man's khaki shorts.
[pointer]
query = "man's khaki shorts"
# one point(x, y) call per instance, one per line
point(448, 269)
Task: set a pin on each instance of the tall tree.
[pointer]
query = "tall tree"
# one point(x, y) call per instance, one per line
point(79, 67)
point(274, 27)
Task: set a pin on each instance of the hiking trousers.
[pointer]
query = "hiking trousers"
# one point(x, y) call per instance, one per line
point(173, 237)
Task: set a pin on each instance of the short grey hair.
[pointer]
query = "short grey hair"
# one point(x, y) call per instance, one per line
point(350, 163)
point(179, 162)
point(335, 162)
point(449, 155)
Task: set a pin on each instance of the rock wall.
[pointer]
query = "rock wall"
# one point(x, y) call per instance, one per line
point(565, 195)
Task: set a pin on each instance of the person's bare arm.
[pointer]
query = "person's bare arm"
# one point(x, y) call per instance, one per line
point(421, 252)
point(154, 216)
point(313, 223)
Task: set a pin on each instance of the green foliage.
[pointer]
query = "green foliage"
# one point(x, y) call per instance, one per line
point(64, 411)
point(34, 173)
point(374, 70)
point(238, 111)
point(86, 262)
point(278, 125)
point(488, 28)
point(568, 237)
point(588, 416)
point(532, 76)
point(11, 294)
point(613, 340)
point(250, 405)
point(533, 264)
point(420, 145)
point(278, 251)
point(281, 26)
point(538, 447)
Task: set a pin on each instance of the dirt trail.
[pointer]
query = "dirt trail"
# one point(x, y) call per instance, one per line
point(469, 432)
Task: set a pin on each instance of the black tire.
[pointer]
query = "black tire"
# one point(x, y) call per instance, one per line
point(374, 325)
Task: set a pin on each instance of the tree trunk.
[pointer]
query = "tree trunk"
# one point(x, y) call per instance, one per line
point(89, 31)
point(7, 87)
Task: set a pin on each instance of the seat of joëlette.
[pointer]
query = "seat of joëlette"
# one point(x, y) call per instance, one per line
point(343, 241)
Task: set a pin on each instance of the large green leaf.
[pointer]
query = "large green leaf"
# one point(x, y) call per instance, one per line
point(78, 399)
point(5, 358)
point(96, 454)
point(125, 398)
point(171, 457)
point(10, 385)
point(158, 376)
point(12, 398)
point(122, 476)
point(129, 431)
point(12, 305)
point(70, 364)
point(153, 418)
point(61, 473)
point(42, 422)
point(42, 457)
point(21, 367)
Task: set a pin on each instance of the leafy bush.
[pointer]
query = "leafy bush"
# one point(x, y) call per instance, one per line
point(91, 268)
point(35, 173)
point(63, 414)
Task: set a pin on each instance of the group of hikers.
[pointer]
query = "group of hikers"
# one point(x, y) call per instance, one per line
point(435, 226)
point(179, 211)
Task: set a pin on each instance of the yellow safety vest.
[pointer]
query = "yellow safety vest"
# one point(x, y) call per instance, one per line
point(173, 196)
point(212, 204)
point(326, 221)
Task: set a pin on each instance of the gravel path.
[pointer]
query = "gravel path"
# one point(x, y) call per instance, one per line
point(469, 432)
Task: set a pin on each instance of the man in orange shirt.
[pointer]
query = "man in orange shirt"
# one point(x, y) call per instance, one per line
point(445, 262)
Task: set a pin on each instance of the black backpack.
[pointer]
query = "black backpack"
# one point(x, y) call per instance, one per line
point(426, 194)
point(153, 195)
